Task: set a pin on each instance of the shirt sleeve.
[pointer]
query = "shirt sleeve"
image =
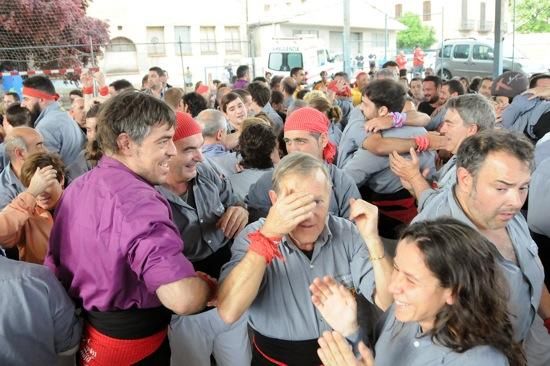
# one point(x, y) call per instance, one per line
point(155, 249)
point(13, 218)
point(362, 272)
point(345, 189)
point(539, 200)
point(67, 329)
point(51, 137)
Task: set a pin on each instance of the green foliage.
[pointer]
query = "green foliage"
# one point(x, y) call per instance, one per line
point(532, 16)
point(416, 33)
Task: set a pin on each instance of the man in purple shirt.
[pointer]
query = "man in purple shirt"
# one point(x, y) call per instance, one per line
point(243, 77)
point(114, 246)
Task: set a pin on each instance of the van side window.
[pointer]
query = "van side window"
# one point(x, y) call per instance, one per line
point(447, 50)
point(461, 51)
point(482, 52)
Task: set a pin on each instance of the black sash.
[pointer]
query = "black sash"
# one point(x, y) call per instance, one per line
point(270, 351)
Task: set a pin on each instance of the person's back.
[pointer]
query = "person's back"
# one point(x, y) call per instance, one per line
point(38, 320)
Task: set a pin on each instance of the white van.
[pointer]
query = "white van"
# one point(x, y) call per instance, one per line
point(288, 53)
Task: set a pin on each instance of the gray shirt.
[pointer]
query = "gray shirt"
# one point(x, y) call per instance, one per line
point(61, 133)
point(242, 181)
point(352, 137)
point(343, 188)
point(78, 167)
point(274, 117)
point(225, 163)
point(403, 344)
point(197, 225)
point(446, 178)
point(38, 319)
point(10, 186)
point(437, 120)
point(367, 168)
point(283, 308)
point(4, 158)
point(523, 114)
point(539, 199)
point(524, 281)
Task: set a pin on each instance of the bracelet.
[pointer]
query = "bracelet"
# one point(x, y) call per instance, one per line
point(398, 119)
point(264, 246)
point(422, 143)
point(377, 258)
point(547, 324)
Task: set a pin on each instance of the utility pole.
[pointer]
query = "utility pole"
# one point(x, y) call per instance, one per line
point(497, 64)
point(346, 39)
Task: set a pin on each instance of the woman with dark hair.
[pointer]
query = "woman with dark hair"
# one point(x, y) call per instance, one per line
point(449, 304)
point(257, 145)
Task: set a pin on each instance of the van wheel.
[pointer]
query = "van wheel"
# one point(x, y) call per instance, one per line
point(446, 74)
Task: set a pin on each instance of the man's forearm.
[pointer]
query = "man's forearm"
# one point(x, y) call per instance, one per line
point(384, 146)
point(419, 185)
point(238, 291)
point(415, 118)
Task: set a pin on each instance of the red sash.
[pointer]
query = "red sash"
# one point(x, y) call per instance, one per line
point(97, 349)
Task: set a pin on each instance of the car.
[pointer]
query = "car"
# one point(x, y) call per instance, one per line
point(471, 57)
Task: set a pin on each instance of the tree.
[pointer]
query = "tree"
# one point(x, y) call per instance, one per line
point(415, 34)
point(533, 16)
point(48, 34)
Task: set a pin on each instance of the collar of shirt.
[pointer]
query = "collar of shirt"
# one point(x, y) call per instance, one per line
point(108, 162)
point(8, 177)
point(214, 149)
point(324, 238)
point(50, 107)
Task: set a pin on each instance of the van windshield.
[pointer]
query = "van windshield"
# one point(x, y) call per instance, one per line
point(285, 61)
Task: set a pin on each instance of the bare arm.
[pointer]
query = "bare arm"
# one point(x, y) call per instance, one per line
point(185, 296)
point(240, 288)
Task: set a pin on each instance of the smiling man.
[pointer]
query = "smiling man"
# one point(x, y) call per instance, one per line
point(113, 245)
point(208, 216)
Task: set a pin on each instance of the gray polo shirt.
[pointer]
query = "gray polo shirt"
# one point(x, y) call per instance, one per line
point(446, 178)
point(38, 320)
point(404, 344)
point(274, 117)
point(539, 199)
point(197, 225)
point(78, 167)
point(242, 180)
point(374, 171)
point(61, 133)
point(352, 137)
point(524, 281)
point(283, 308)
point(10, 186)
point(343, 188)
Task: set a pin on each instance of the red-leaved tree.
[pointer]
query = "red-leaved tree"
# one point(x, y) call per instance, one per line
point(48, 33)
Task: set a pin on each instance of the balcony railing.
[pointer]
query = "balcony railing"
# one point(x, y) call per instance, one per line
point(467, 25)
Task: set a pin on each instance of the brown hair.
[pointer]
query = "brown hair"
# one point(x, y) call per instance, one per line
point(41, 160)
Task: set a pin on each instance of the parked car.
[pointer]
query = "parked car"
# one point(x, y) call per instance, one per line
point(471, 57)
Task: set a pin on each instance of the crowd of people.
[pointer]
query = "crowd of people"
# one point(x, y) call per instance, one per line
point(372, 221)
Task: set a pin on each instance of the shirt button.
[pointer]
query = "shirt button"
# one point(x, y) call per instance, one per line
point(201, 221)
point(416, 344)
point(209, 241)
point(311, 266)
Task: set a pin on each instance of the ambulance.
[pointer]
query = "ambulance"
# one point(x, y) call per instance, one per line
point(291, 52)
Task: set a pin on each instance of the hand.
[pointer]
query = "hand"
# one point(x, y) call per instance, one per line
point(379, 124)
point(406, 169)
point(287, 212)
point(210, 281)
point(365, 216)
point(336, 351)
point(42, 179)
point(336, 304)
point(439, 142)
point(538, 92)
point(233, 221)
point(87, 80)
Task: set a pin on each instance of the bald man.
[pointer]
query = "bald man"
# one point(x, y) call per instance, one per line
point(20, 143)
